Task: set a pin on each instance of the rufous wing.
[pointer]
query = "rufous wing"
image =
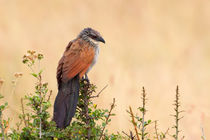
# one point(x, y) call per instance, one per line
point(60, 66)
point(77, 59)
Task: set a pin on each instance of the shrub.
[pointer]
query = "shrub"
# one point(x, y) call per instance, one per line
point(90, 122)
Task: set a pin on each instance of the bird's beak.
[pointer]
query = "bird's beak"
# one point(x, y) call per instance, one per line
point(101, 39)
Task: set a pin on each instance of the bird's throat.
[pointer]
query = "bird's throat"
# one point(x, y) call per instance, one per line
point(93, 41)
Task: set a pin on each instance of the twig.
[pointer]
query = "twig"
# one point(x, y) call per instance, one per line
point(22, 108)
point(164, 134)
point(156, 131)
point(1, 125)
point(203, 134)
point(107, 118)
point(125, 133)
point(166, 131)
point(134, 123)
point(40, 96)
point(143, 112)
point(86, 92)
point(49, 96)
point(86, 101)
point(177, 112)
point(177, 115)
point(131, 135)
point(99, 92)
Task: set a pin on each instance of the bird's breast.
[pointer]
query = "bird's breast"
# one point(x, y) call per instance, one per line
point(94, 59)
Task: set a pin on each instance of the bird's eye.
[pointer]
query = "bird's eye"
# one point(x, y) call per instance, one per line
point(93, 36)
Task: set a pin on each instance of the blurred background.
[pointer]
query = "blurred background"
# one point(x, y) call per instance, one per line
point(156, 44)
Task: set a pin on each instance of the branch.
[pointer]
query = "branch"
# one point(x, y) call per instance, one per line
point(177, 115)
point(1, 125)
point(203, 134)
point(156, 131)
point(99, 92)
point(143, 112)
point(134, 123)
point(22, 108)
point(49, 96)
point(107, 118)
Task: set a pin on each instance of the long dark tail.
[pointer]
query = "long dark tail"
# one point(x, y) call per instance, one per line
point(66, 102)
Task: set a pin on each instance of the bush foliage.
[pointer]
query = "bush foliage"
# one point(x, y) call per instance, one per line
point(90, 122)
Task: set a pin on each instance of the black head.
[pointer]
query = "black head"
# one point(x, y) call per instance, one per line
point(91, 33)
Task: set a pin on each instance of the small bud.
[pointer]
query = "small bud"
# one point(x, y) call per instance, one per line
point(45, 84)
point(18, 74)
point(25, 61)
point(35, 56)
point(28, 51)
point(33, 52)
point(40, 56)
point(30, 57)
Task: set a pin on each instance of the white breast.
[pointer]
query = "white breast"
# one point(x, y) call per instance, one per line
point(95, 58)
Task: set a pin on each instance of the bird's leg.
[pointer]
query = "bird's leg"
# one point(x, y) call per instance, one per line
point(85, 78)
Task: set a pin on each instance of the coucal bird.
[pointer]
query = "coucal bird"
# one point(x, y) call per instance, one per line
point(79, 57)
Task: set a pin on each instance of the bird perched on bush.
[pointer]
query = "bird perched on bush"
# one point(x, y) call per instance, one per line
point(78, 59)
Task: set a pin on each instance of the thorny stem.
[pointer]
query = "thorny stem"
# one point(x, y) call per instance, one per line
point(156, 131)
point(40, 96)
point(131, 135)
point(143, 112)
point(162, 135)
point(134, 123)
point(40, 127)
point(125, 133)
point(86, 113)
point(99, 92)
point(177, 112)
point(24, 117)
point(49, 96)
point(87, 118)
point(203, 134)
point(1, 125)
point(177, 115)
point(107, 118)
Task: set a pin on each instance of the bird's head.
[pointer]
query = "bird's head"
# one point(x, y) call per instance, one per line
point(92, 35)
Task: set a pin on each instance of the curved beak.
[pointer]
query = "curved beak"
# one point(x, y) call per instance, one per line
point(101, 40)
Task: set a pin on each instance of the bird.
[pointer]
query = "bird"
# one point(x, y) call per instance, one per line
point(79, 57)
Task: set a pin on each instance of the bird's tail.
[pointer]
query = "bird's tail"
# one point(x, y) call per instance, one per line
point(66, 102)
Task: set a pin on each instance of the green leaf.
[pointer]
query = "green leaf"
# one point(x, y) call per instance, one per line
point(40, 72)
point(34, 74)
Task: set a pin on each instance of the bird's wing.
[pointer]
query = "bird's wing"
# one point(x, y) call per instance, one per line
point(77, 59)
point(60, 66)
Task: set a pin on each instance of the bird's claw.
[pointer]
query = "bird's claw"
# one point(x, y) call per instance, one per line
point(85, 78)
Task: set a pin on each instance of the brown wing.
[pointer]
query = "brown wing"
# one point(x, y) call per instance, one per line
point(76, 59)
point(60, 65)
